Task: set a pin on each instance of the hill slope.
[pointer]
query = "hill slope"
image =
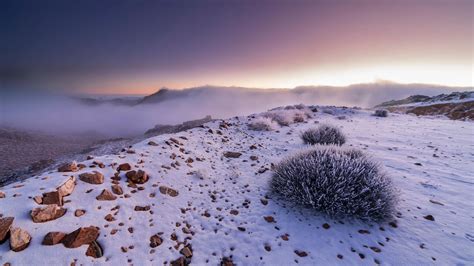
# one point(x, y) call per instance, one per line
point(206, 208)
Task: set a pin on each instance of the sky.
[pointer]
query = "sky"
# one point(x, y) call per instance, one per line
point(138, 46)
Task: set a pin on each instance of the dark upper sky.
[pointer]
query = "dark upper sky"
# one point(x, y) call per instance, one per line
point(137, 46)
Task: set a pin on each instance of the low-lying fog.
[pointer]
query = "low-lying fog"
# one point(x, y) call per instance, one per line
point(60, 114)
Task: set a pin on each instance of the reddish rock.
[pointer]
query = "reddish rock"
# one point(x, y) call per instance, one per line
point(269, 219)
point(181, 261)
point(117, 189)
point(38, 199)
point(109, 218)
point(227, 262)
point(19, 239)
point(53, 238)
point(301, 253)
point(137, 177)
point(68, 167)
point(2, 195)
point(232, 154)
point(142, 208)
point(94, 250)
point(168, 191)
point(155, 241)
point(95, 178)
point(52, 197)
point(67, 187)
point(48, 213)
point(187, 251)
point(79, 212)
point(5, 225)
point(106, 195)
point(124, 167)
point(81, 236)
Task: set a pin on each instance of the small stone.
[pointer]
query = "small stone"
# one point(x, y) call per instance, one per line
point(68, 167)
point(124, 167)
point(301, 253)
point(142, 208)
point(234, 212)
point(137, 177)
point(109, 218)
point(19, 239)
point(106, 195)
point(94, 178)
point(269, 219)
point(326, 226)
point(155, 241)
point(232, 154)
point(117, 189)
point(94, 250)
point(79, 212)
point(66, 188)
point(38, 199)
point(81, 236)
point(429, 217)
point(52, 198)
point(53, 238)
point(2, 195)
point(5, 225)
point(48, 213)
point(187, 251)
point(168, 191)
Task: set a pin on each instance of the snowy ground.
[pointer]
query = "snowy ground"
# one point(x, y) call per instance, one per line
point(220, 211)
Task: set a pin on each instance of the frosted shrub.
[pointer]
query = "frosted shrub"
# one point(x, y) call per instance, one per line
point(263, 124)
point(336, 181)
point(324, 134)
point(381, 113)
point(282, 117)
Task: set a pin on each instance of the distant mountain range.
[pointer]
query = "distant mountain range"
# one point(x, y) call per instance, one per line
point(363, 95)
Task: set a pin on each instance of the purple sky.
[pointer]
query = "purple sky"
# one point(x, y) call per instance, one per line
point(137, 46)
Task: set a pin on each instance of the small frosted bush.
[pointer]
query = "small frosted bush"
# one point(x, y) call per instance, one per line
point(381, 113)
point(324, 134)
point(282, 117)
point(262, 124)
point(336, 181)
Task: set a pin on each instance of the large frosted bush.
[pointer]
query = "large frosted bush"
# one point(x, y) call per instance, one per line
point(336, 181)
point(381, 113)
point(324, 134)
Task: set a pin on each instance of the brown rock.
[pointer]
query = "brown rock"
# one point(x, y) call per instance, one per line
point(269, 219)
point(94, 250)
point(79, 212)
point(53, 238)
point(38, 199)
point(52, 197)
point(19, 239)
point(68, 167)
point(48, 213)
point(168, 191)
point(81, 236)
point(124, 167)
point(2, 195)
point(137, 177)
point(187, 251)
point(301, 253)
point(109, 218)
point(142, 208)
point(181, 261)
point(117, 189)
point(429, 217)
point(152, 143)
point(5, 225)
point(232, 154)
point(95, 178)
point(67, 187)
point(106, 195)
point(227, 262)
point(155, 241)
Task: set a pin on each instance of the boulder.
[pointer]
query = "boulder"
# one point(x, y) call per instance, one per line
point(94, 250)
point(48, 213)
point(95, 178)
point(137, 177)
point(168, 191)
point(81, 236)
point(124, 167)
point(232, 154)
point(117, 189)
point(5, 225)
point(53, 238)
point(19, 239)
point(68, 167)
point(66, 188)
point(53, 197)
point(106, 195)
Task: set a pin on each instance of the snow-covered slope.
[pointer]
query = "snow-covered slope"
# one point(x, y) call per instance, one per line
point(224, 210)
